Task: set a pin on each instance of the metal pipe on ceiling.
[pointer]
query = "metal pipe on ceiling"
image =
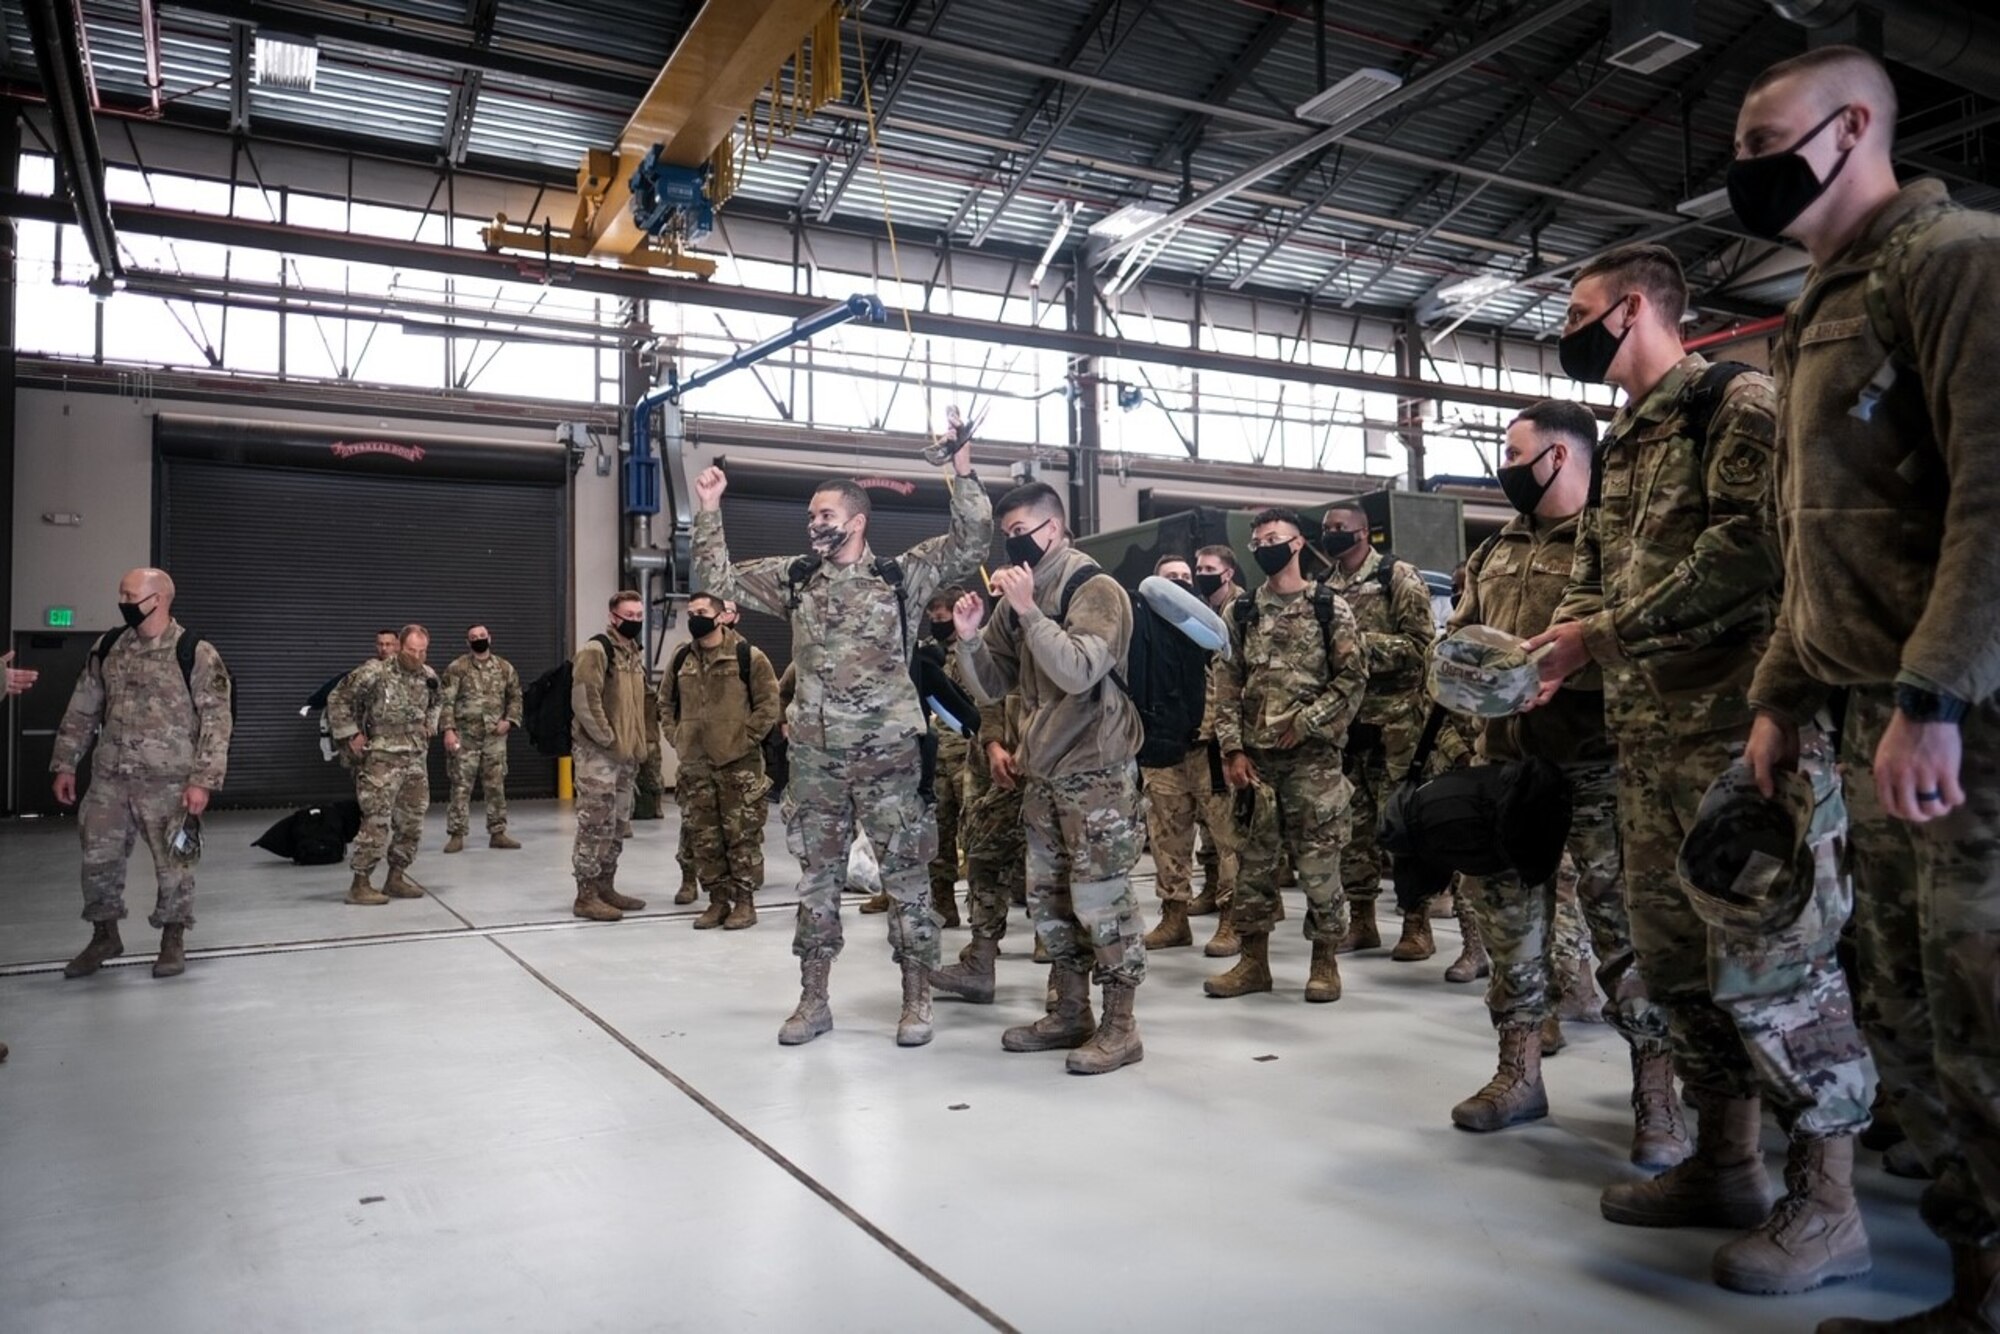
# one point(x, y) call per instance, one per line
point(1957, 41)
point(52, 25)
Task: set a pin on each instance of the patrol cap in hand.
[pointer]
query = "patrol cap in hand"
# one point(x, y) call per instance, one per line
point(1185, 612)
point(1747, 860)
point(1484, 672)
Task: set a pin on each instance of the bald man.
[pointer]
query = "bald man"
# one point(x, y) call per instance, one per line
point(156, 699)
point(1886, 483)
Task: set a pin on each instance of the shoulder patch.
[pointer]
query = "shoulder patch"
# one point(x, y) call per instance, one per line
point(1742, 467)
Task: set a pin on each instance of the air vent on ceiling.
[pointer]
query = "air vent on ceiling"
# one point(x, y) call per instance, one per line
point(1649, 35)
point(1359, 89)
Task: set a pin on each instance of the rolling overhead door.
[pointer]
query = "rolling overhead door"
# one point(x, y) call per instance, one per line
point(291, 546)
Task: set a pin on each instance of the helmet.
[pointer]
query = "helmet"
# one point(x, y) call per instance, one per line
point(1747, 860)
point(184, 843)
point(1484, 672)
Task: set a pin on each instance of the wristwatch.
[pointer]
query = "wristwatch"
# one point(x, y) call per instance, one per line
point(1928, 706)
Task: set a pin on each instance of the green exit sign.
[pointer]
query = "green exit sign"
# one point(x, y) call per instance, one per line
point(61, 618)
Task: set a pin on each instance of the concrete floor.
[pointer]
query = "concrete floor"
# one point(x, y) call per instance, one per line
point(473, 1112)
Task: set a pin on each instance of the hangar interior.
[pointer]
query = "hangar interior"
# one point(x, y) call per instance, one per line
point(339, 313)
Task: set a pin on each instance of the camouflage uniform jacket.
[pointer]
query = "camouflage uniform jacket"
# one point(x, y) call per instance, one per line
point(1891, 573)
point(1514, 584)
point(1676, 573)
point(1074, 720)
point(1396, 633)
point(848, 647)
point(479, 694)
point(1276, 676)
point(1206, 733)
point(149, 723)
point(395, 708)
point(720, 719)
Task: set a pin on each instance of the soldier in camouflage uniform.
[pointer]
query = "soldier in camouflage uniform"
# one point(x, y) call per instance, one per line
point(953, 751)
point(1513, 584)
point(1672, 595)
point(1175, 798)
point(649, 787)
point(1392, 606)
point(996, 849)
point(1884, 493)
point(1065, 628)
point(161, 727)
point(385, 713)
point(1216, 582)
point(718, 721)
point(1284, 699)
point(608, 731)
point(854, 722)
point(482, 704)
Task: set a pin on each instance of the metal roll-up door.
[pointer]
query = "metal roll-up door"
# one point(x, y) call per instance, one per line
point(289, 571)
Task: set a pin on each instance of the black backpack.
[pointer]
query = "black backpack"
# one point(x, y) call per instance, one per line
point(1244, 610)
point(183, 654)
point(1165, 677)
point(545, 704)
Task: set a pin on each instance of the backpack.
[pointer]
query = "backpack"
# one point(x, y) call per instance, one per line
point(1244, 610)
point(1165, 677)
point(545, 705)
point(183, 654)
point(680, 658)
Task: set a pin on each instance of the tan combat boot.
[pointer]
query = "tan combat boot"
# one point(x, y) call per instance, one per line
point(499, 839)
point(400, 886)
point(1202, 904)
point(1225, 943)
point(1173, 932)
point(1323, 983)
point(456, 843)
point(363, 893)
point(104, 944)
point(1972, 1308)
point(1515, 1093)
point(172, 960)
point(1252, 972)
point(607, 889)
point(971, 978)
point(1041, 954)
point(945, 903)
point(1417, 943)
point(590, 904)
point(878, 902)
point(715, 914)
point(689, 891)
point(1582, 1002)
point(1068, 1023)
point(1814, 1233)
point(1362, 933)
point(913, 1027)
point(1721, 1184)
point(1116, 1042)
point(1471, 963)
point(1659, 1135)
point(1553, 1039)
point(742, 911)
point(814, 1015)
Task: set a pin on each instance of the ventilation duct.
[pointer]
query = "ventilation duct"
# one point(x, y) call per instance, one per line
point(1955, 41)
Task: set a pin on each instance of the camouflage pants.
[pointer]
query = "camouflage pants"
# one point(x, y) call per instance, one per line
point(1927, 917)
point(1083, 834)
point(115, 814)
point(1301, 807)
point(1569, 941)
point(684, 854)
point(481, 757)
point(1521, 925)
point(1363, 866)
point(394, 791)
point(603, 784)
point(996, 854)
point(722, 824)
point(949, 813)
point(1174, 805)
point(1218, 856)
point(873, 789)
point(1750, 1013)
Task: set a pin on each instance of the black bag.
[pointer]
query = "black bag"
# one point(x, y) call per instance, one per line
point(1478, 821)
point(545, 705)
point(314, 835)
point(1165, 677)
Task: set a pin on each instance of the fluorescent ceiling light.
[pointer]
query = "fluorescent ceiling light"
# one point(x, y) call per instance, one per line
point(284, 61)
point(1714, 204)
point(1476, 288)
point(1066, 214)
point(1362, 88)
point(1127, 220)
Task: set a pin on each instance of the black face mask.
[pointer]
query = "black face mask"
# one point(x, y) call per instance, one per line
point(1586, 354)
point(1768, 193)
point(1518, 483)
point(700, 627)
point(134, 612)
point(631, 629)
point(1208, 585)
point(481, 645)
point(1023, 550)
point(1337, 542)
point(943, 631)
point(1273, 559)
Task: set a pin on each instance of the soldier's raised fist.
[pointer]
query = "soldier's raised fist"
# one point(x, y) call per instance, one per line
point(709, 486)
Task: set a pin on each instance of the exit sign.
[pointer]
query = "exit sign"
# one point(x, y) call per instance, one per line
point(61, 618)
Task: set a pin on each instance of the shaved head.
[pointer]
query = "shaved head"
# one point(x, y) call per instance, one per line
point(144, 582)
point(1791, 96)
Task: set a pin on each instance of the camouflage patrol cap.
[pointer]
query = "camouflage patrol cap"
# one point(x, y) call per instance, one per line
point(1747, 860)
point(1482, 671)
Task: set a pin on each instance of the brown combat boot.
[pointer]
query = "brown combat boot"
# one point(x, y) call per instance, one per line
point(590, 904)
point(1173, 932)
point(400, 886)
point(1417, 943)
point(104, 944)
point(1721, 1184)
point(499, 839)
point(971, 978)
point(1323, 983)
point(1252, 972)
point(814, 1014)
point(878, 902)
point(1068, 1023)
point(715, 914)
point(687, 893)
point(1814, 1233)
point(913, 1027)
point(1582, 1002)
point(363, 893)
point(1041, 954)
point(945, 903)
point(1471, 963)
point(1515, 1093)
point(742, 911)
point(456, 843)
point(1659, 1135)
point(1225, 943)
point(1972, 1308)
point(172, 959)
point(1116, 1042)
point(607, 889)
point(1202, 904)
point(1362, 933)
point(1553, 1039)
